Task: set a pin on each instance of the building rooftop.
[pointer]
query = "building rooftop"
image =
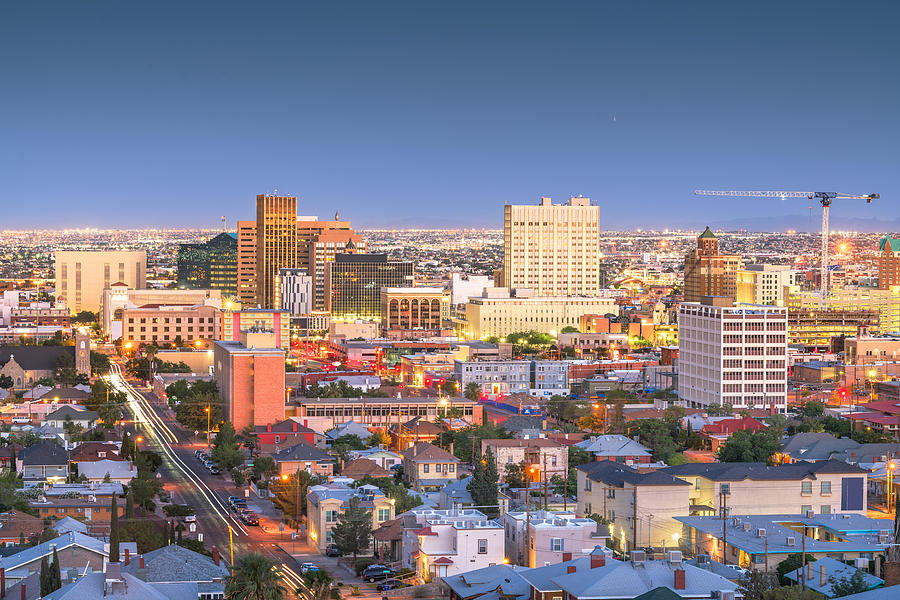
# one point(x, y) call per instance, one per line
point(613, 445)
point(618, 475)
point(760, 471)
point(833, 570)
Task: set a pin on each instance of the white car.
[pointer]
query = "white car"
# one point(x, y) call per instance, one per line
point(740, 571)
point(190, 519)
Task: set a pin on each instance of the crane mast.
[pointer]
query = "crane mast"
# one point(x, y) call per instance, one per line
point(824, 198)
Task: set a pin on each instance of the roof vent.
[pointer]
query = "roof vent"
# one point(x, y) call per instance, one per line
point(747, 526)
point(792, 541)
point(761, 532)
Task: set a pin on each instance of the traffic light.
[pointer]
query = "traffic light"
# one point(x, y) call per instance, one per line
point(842, 393)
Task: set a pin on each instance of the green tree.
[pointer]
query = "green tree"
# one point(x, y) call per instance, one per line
point(45, 577)
point(145, 487)
point(264, 467)
point(813, 409)
point(567, 486)
point(657, 435)
point(109, 413)
point(254, 578)
point(483, 486)
point(380, 438)
point(6, 382)
point(287, 494)
point(129, 505)
point(569, 329)
point(745, 446)
point(55, 573)
point(516, 475)
point(845, 586)
point(472, 391)
point(717, 410)
point(579, 456)
point(352, 530)
point(99, 363)
point(319, 586)
point(114, 532)
point(227, 451)
point(792, 563)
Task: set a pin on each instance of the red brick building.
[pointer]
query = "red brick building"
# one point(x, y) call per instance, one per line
point(287, 433)
point(250, 376)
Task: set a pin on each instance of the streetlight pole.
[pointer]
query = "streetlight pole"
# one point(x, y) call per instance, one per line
point(207, 427)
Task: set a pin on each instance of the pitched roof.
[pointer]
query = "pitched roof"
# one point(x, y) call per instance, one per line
point(518, 423)
point(69, 524)
point(90, 451)
point(45, 453)
point(424, 451)
point(660, 593)
point(816, 446)
point(707, 234)
point(361, 467)
point(519, 443)
point(729, 426)
point(477, 583)
point(389, 530)
point(760, 471)
point(93, 585)
point(889, 243)
point(35, 358)
point(301, 452)
point(99, 469)
point(13, 523)
point(68, 411)
point(613, 473)
point(176, 563)
point(833, 569)
point(289, 425)
point(420, 426)
point(613, 445)
point(66, 393)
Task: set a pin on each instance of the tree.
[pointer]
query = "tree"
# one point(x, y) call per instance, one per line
point(464, 440)
point(579, 456)
point(129, 505)
point(319, 586)
point(592, 422)
point(813, 409)
point(287, 494)
point(109, 413)
point(254, 578)
point(264, 467)
point(845, 586)
point(567, 486)
point(723, 410)
point(756, 584)
point(472, 391)
point(6, 382)
point(45, 578)
point(114, 532)
point(227, 452)
point(145, 487)
point(792, 563)
point(352, 530)
point(380, 438)
point(55, 573)
point(237, 477)
point(569, 329)
point(744, 446)
point(657, 435)
point(99, 363)
point(515, 476)
point(483, 485)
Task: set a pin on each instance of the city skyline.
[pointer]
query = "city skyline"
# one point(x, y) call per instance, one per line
point(380, 112)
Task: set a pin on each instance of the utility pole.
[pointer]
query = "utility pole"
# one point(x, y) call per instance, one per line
point(544, 477)
point(527, 520)
point(722, 509)
point(766, 542)
point(803, 560)
point(634, 516)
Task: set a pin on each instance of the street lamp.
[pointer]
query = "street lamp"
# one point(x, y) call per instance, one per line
point(207, 427)
point(890, 484)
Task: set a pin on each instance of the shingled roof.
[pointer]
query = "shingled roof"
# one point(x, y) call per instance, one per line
point(423, 451)
point(359, 468)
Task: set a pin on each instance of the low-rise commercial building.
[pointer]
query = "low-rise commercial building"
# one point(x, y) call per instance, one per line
point(495, 377)
point(414, 308)
point(550, 536)
point(323, 414)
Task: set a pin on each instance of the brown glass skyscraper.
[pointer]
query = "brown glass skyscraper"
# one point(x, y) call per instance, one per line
point(276, 243)
point(707, 272)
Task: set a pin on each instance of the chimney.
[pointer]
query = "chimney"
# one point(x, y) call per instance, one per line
point(295, 426)
point(215, 552)
point(127, 556)
point(823, 578)
point(567, 556)
point(598, 560)
point(570, 569)
point(141, 562)
point(269, 428)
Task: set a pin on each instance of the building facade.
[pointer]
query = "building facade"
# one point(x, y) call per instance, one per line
point(553, 249)
point(295, 291)
point(549, 535)
point(544, 457)
point(708, 272)
point(250, 377)
point(765, 284)
point(888, 262)
point(169, 325)
point(448, 542)
point(276, 244)
point(732, 354)
point(414, 308)
point(494, 377)
point(118, 298)
point(354, 281)
point(883, 302)
point(246, 262)
point(278, 321)
point(318, 242)
point(209, 265)
point(82, 275)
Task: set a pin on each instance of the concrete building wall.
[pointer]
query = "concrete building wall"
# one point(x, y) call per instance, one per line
point(81, 275)
point(499, 317)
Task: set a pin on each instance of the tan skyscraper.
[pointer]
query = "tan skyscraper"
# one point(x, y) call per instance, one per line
point(276, 243)
point(708, 272)
point(81, 276)
point(246, 259)
point(553, 249)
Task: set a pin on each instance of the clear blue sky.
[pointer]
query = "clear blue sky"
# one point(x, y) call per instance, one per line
point(174, 113)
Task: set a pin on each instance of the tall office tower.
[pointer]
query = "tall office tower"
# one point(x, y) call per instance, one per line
point(276, 244)
point(888, 262)
point(81, 276)
point(765, 284)
point(353, 284)
point(318, 242)
point(730, 354)
point(246, 267)
point(553, 249)
point(295, 291)
point(708, 272)
point(212, 264)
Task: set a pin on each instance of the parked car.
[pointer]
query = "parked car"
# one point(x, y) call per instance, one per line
point(190, 519)
point(308, 567)
point(332, 550)
point(389, 584)
point(214, 470)
point(374, 573)
point(740, 571)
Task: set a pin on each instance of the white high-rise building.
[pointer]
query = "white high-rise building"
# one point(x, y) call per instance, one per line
point(295, 291)
point(765, 284)
point(553, 249)
point(732, 354)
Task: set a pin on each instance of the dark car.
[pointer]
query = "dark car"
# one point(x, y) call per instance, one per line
point(250, 518)
point(332, 550)
point(375, 573)
point(389, 584)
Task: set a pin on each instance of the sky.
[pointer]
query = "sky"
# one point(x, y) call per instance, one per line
point(125, 114)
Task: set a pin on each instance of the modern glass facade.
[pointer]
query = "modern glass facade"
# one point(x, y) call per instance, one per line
point(354, 282)
point(210, 265)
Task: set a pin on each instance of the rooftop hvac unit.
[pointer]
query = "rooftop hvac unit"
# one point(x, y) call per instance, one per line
point(736, 522)
point(675, 556)
point(703, 559)
point(792, 541)
point(761, 532)
point(861, 563)
point(726, 595)
point(638, 557)
point(748, 526)
point(883, 539)
point(810, 514)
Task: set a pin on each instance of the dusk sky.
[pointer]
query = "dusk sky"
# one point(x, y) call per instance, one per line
point(436, 114)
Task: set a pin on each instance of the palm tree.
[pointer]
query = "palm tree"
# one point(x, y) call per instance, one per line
point(472, 391)
point(320, 586)
point(254, 578)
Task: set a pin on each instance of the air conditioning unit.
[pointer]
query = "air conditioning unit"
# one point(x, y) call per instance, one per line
point(883, 539)
point(761, 532)
point(675, 556)
point(748, 526)
point(736, 522)
point(703, 559)
point(861, 563)
point(810, 514)
point(792, 541)
point(638, 557)
point(726, 595)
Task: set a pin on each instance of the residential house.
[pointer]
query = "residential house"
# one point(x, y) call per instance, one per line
point(75, 551)
point(381, 456)
point(106, 470)
point(388, 540)
point(881, 416)
point(718, 433)
point(70, 414)
point(821, 575)
point(89, 508)
point(811, 446)
point(46, 461)
point(428, 468)
point(546, 457)
point(67, 524)
point(456, 494)
point(523, 425)
point(440, 543)
point(362, 467)
point(94, 451)
point(617, 448)
point(324, 503)
point(276, 436)
point(16, 525)
point(757, 489)
point(306, 458)
point(114, 584)
point(174, 564)
point(64, 395)
point(620, 493)
point(103, 492)
point(490, 583)
point(417, 429)
point(762, 542)
point(350, 427)
point(550, 537)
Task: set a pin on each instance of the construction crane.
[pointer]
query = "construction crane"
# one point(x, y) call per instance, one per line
point(825, 198)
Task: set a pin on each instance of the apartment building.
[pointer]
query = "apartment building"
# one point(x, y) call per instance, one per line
point(497, 313)
point(443, 543)
point(549, 378)
point(82, 275)
point(765, 284)
point(823, 487)
point(641, 507)
point(495, 377)
point(250, 376)
point(353, 284)
point(734, 354)
point(553, 249)
point(324, 503)
point(550, 536)
point(544, 457)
